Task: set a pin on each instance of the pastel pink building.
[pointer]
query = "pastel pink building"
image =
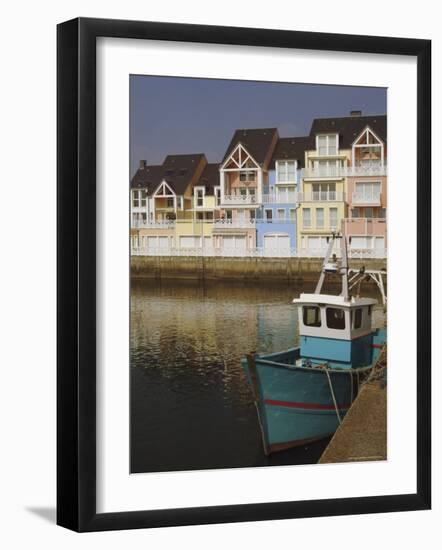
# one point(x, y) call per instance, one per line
point(366, 226)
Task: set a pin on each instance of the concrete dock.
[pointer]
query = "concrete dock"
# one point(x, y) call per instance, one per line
point(297, 270)
point(362, 436)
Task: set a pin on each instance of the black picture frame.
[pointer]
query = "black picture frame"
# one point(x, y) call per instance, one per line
point(76, 273)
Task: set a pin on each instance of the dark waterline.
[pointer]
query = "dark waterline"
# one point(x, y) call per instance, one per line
point(191, 408)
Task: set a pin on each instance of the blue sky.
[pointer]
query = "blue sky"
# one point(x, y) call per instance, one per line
point(170, 115)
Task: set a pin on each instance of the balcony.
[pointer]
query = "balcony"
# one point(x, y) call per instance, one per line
point(239, 200)
point(360, 169)
point(146, 224)
point(364, 226)
point(324, 172)
point(321, 196)
point(233, 224)
point(366, 199)
point(366, 169)
point(280, 197)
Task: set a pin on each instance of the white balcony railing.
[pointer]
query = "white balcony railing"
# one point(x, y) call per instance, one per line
point(239, 199)
point(259, 252)
point(366, 169)
point(359, 169)
point(233, 223)
point(329, 171)
point(280, 198)
point(324, 196)
point(166, 224)
point(366, 198)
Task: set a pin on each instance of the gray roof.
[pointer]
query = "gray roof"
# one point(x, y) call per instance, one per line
point(257, 141)
point(176, 170)
point(348, 128)
point(291, 148)
point(210, 177)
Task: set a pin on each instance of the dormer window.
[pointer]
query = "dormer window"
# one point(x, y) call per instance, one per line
point(327, 144)
point(286, 171)
point(199, 196)
point(139, 198)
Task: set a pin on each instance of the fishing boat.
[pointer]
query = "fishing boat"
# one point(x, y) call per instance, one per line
point(303, 393)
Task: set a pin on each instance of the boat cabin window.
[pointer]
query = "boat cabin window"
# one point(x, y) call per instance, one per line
point(311, 316)
point(357, 318)
point(335, 318)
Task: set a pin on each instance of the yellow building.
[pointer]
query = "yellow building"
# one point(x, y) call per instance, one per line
point(329, 163)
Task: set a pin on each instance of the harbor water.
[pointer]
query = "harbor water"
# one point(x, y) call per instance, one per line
point(191, 408)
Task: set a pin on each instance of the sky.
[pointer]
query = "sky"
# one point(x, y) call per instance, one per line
point(170, 115)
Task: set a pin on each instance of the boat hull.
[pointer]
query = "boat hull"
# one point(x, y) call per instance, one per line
point(298, 405)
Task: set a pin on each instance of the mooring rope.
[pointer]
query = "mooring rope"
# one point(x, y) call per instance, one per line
point(333, 396)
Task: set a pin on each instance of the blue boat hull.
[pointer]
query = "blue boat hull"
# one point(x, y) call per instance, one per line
point(295, 403)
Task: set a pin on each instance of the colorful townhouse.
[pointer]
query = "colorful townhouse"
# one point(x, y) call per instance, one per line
point(259, 176)
point(276, 223)
point(340, 169)
point(269, 196)
point(172, 203)
point(365, 225)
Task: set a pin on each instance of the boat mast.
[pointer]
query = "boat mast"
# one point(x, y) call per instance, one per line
point(326, 260)
point(343, 269)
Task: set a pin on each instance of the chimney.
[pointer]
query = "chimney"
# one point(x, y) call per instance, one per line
point(355, 113)
point(142, 164)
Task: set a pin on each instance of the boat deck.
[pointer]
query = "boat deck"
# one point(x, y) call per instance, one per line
point(362, 436)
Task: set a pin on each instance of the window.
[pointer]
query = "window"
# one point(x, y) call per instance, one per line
point(199, 196)
point(335, 318)
point(292, 214)
point(252, 214)
point(333, 212)
point(306, 218)
point(281, 213)
point(229, 214)
point(357, 318)
point(320, 218)
point(382, 213)
point(311, 316)
point(355, 212)
point(217, 195)
point(269, 214)
point(369, 191)
point(247, 176)
point(324, 191)
point(325, 168)
point(327, 144)
point(368, 212)
point(285, 171)
point(169, 203)
point(139, 198)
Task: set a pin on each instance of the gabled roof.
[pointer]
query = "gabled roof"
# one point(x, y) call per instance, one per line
point(209, 178)
point(257, 141)
point(147, 177)
point(291, 148)
point(348, 128)
point(177, 170)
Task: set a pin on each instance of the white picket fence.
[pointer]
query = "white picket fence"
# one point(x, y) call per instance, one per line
point(259, 252)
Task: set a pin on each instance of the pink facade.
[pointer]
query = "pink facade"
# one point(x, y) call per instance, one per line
point(367, 203)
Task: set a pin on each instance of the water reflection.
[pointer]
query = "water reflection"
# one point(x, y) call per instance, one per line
point(190, 405)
